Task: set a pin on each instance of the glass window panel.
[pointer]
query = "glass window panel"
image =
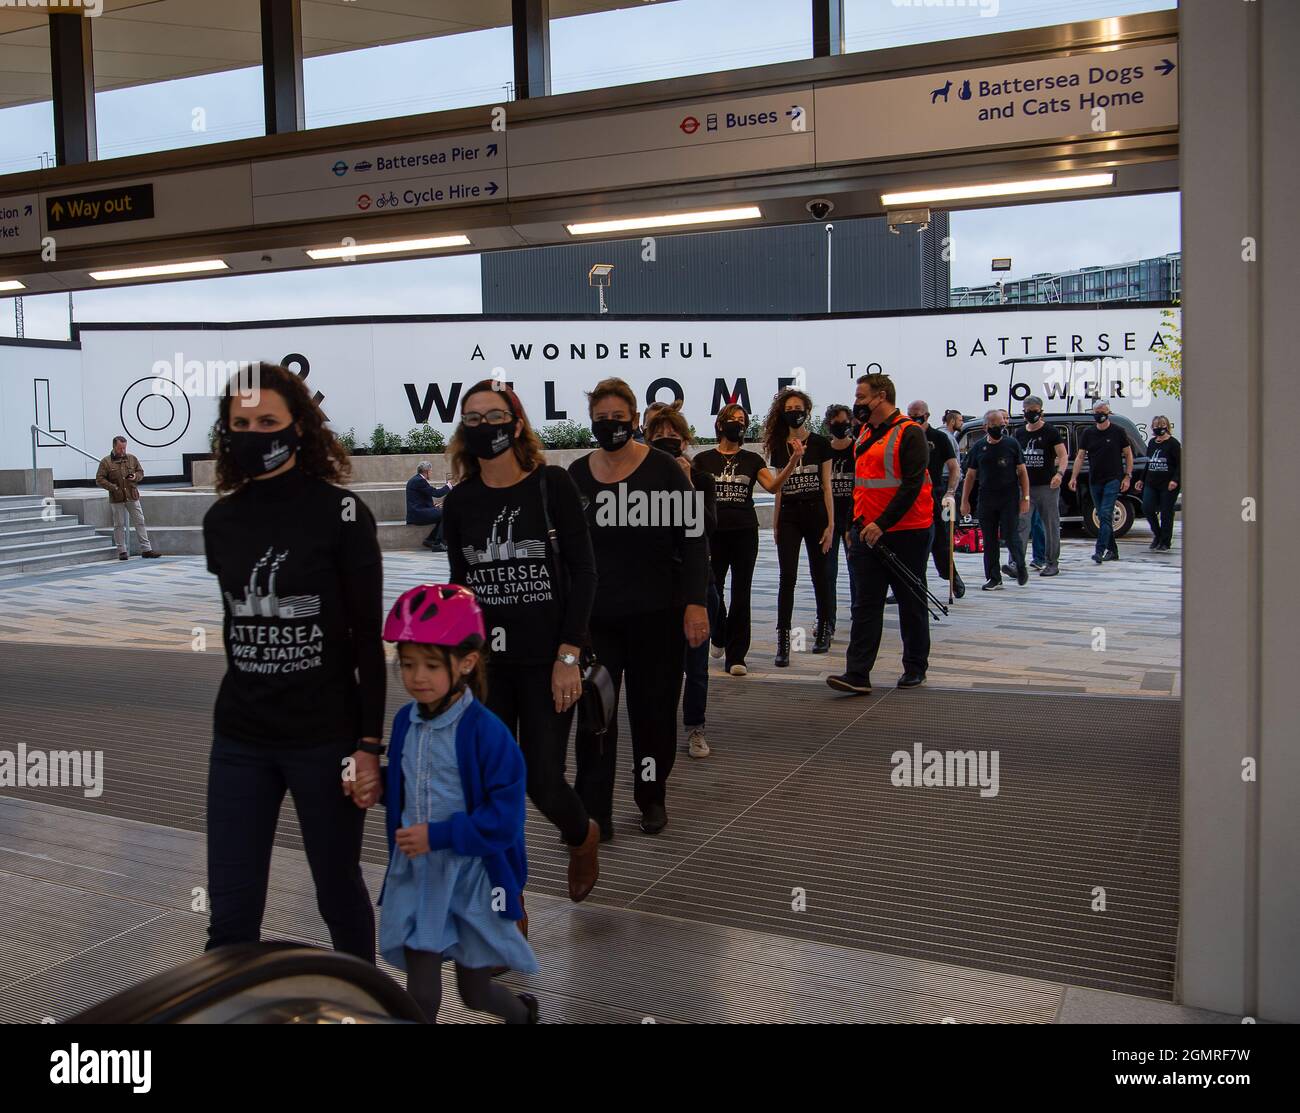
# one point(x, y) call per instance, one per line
point(648, 42)
point(174, 73)
point(374, 59)
point(877, 24)
point(26, 107)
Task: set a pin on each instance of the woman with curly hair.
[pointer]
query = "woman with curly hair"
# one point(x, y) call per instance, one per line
point(803, 514)
point(302, 703)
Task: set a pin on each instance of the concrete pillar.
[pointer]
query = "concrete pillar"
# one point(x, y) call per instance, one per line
point(1240, 160)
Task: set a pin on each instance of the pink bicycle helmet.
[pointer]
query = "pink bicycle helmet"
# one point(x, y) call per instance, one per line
point(435, 614)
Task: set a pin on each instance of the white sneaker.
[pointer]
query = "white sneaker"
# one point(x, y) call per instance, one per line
point(738, 670)
point(696, 744)
point(715, 651)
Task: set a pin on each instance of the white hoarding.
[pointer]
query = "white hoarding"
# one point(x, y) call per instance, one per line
point(405, 373)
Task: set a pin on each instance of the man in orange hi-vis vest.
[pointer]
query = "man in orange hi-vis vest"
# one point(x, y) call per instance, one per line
point(892, 504)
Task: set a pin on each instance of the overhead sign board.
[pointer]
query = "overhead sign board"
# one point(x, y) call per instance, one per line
point(1130, 90)
point(432, 173)
point(748, 133)
point(20, 224)
point(92, 208)
point(1001, 264)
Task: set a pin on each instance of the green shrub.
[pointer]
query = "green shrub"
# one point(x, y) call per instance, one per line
point(349, 441)
point(384, 443)
point(425, 440)
point(565, 434)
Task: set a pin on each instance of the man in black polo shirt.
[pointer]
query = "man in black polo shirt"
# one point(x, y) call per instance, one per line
point(1004, 495)
point(942, 467)
point(1110, 469)
point(1045, 461)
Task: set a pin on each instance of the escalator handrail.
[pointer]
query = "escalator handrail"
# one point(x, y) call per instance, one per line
point(216, 975)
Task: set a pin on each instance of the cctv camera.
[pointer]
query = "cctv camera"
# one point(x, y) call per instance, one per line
point(820, 207)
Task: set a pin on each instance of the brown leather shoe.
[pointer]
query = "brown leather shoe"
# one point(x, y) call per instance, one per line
point(584, 864)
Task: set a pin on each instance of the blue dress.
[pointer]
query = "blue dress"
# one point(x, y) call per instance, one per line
point(442, 901)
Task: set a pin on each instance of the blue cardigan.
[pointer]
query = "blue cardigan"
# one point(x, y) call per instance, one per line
point(492, 776)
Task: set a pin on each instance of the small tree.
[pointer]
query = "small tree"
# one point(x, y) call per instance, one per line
point(1170, 381)
point(349, 441)
point(565, 434)
point(384, 443)
point(425, 439)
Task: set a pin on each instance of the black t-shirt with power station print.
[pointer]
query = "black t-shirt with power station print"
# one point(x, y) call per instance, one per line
point(843, 464)
point(734, 476)
point(1039, 448)
point(297, 560)
point(804, 484)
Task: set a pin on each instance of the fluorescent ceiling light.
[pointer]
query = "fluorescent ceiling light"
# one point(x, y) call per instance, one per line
point(997, 189)
point(353, 250)
point(11, 284)
point(159, 270)
point(666, 220)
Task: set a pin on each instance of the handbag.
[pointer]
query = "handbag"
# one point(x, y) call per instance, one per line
point(598, 703)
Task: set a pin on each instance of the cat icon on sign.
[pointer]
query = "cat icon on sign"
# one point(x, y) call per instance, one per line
point(964, 91)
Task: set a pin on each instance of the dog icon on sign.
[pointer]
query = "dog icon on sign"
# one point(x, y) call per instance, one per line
point(942, 91)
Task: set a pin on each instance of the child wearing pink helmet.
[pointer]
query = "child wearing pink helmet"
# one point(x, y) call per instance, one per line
point(454, 792)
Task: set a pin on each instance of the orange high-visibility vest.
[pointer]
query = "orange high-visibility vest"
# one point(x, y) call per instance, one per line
point(878, 479)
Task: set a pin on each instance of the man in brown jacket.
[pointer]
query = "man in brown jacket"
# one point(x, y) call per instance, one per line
point(119, 474)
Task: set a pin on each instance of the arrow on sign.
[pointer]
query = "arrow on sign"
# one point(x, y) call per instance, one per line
point(491, 188)
point(1166, 67)
point(27, 210)
point(56, 210)
point(492, 149)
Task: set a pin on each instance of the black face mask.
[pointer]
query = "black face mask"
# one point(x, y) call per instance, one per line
point(611, 435)
point(1101, 419)
point(795, 418)
point(257, 453)
point(734, 431)
point(994, 432)
point(841, 429)
point(670, 445)
point(862, 411)
point(1032, 416)
point(487, 442)
point(1160, 431)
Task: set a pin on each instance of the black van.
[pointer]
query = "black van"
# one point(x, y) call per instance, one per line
point(1076, 506)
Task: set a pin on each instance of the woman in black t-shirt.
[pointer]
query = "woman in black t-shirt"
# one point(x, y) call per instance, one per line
point(647, 529)
point(302, 702)
point(536, 602)
point(733, 545)
point(1159, 486)
point(804, 512)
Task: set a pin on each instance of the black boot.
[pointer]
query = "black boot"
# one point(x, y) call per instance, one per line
point(782, 649)
point(822, 637)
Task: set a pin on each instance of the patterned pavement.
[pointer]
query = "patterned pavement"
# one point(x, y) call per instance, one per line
point(1112, 629)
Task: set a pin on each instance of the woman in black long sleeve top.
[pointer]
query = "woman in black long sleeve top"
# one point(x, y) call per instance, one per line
point(647, 530)
point(1159, 486)
point(536, 601)
point(298, 564)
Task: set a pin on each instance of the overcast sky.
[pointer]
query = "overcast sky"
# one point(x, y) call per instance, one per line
point(639, 44)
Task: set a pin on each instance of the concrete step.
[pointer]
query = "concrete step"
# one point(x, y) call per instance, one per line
point(24, 506)
point(52, 546)
point(188, 540)
point(35, 521)
point(44, 533)
point(11, 500)
point(51, 561)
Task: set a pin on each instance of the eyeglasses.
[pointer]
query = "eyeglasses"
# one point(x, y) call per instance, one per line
point(472, 420)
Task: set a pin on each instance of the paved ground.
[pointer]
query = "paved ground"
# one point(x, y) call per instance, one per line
point(1106, 630)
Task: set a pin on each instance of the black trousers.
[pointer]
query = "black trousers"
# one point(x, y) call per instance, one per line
point(873, 578)
point(643, 654)
point(801, 523)
point(246, 785)
point(428, 516)
point(520, 695)
point(1000, 523)
point(1158, 501)
point(734, 551)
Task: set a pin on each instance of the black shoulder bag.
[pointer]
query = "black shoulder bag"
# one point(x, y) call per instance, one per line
point(599, 702)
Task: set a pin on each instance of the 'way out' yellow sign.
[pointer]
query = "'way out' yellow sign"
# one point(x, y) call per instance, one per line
point(102, 206)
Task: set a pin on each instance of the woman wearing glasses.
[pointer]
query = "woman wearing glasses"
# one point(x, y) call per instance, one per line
point(804, 515)
point(496, 522)
point(650, 601)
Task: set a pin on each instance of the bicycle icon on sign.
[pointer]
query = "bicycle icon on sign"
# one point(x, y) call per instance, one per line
point(386, 200)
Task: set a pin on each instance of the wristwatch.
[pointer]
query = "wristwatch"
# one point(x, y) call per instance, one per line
point(567, 658)
point(376, 748)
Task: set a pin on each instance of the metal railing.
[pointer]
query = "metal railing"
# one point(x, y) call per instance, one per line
point(36, 429)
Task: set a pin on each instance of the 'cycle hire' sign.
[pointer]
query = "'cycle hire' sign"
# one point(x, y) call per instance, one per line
point(101, 206)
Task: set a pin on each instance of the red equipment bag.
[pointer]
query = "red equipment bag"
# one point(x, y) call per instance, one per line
point(968, 539)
